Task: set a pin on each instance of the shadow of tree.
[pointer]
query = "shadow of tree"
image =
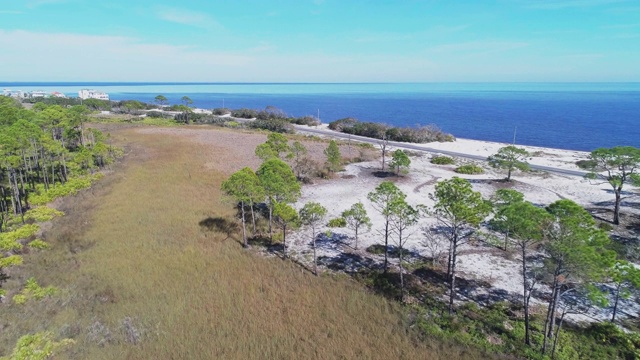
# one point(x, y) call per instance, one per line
point(383, 174)
point(221, 225)
point(480, 291)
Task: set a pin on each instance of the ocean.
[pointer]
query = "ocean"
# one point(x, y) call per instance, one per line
point(577, 116)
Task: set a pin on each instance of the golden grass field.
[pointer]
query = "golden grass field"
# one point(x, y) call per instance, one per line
point(140, 278)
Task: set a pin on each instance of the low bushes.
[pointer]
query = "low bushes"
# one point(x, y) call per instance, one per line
point(155, 114)
point(244, 113)
point(72, 187)
point(338, 222)
point(275, 125)
point(374, 130)
point(442, 160)
point(469, 169)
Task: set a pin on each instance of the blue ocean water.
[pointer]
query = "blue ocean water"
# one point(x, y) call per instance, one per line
point(579, 116)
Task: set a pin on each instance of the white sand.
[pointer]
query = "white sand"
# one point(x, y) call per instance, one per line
point(481, 262)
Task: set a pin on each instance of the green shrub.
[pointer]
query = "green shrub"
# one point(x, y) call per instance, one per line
point(275, 125)
point(305, 120)
point(42, 213)
point(339, 222)
point(220, 111)
point(442, 160)
point(20, 299)
point(10, 261)
point(376, 249)
point(244, 113)
point(71, 187)
point(39, 346)
point(586, 164)
point(469, 169)
point(38, 244)
point(9, 240)
point(33, 290)
point(155, 114)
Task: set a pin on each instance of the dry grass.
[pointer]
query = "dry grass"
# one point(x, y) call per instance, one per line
point(141, 279)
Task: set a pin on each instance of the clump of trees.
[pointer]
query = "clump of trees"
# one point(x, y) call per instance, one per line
point(617, 166)
point(460, 210)
point(423, 134)
point(43, 148)
point(245, 188)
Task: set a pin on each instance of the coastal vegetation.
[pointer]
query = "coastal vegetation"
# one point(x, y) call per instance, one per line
point(442, 160)
point(469, 169)
point(381, 131)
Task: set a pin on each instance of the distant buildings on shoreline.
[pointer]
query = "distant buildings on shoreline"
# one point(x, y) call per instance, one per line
point(83, 94)
point(92, 94)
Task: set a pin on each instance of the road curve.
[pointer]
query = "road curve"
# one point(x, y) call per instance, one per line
point(417, 147)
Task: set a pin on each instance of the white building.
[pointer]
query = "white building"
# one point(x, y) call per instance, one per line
point(92, 94)
point(58, 94)
point(39, 93)
point(14, 93)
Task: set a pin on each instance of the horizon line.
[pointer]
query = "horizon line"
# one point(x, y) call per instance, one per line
point(312, 82)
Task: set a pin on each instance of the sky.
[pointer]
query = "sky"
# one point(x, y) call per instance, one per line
point(320, 40)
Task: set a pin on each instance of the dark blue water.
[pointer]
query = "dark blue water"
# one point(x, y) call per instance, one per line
point(568, 116)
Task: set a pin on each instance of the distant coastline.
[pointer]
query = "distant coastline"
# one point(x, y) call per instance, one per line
point(576, 116)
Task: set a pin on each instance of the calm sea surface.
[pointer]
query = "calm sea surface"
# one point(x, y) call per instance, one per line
point(580, 116)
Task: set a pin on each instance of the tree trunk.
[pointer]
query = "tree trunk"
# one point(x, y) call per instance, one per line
point(386, 244)
point(315, 261)
point(284, 240)
point(452, 282)
point(555, 341)
point(356, 237)
point(270, 217)
point(64, 167)
point(525, 298)
point(24, 192)
point(509, 174)
point(253, 219)
point(401, 268)
point(551, 316)
point(244, 228)
point(53, 173)
point(13, 200)
point(615, 304)
point(616, 209)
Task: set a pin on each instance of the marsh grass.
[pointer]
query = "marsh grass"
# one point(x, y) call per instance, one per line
point(139, 277)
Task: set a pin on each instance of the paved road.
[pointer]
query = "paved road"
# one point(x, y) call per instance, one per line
point(427, 149)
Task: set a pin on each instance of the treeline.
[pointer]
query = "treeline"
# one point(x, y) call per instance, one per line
point(270, 118)
point(422, 134)
point(44, 148)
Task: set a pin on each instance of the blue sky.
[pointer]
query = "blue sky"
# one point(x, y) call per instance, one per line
point(320, 40)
